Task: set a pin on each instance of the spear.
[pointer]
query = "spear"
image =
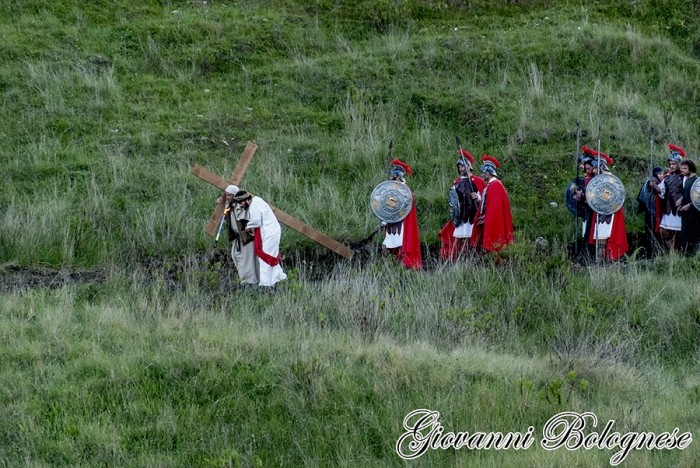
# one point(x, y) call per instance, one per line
point(459, 155)
point(379, 228)
point(576, 163)
point(651, 152)
point(597, 214)
point(651, 199)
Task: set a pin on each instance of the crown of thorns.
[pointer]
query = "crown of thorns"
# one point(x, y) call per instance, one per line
point(242, 196)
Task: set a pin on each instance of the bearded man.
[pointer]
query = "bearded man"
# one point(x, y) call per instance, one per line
point(690, 225)
point(266, 231)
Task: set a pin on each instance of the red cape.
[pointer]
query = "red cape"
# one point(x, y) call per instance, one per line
point(497, 230)
point(410, 248)
point(446, 234)
point(617, 242)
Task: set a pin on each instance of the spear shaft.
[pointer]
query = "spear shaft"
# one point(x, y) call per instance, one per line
point(597, 216)
point(576, 163)
point(379, 228)
point(651, 152)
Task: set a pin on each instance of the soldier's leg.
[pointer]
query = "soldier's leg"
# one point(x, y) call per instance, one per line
point(669, 238)
point(602, 244)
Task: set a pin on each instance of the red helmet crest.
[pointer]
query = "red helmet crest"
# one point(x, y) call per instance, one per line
point(678, 149)
point(492, 160)
point(403, 165)
point(467, 156)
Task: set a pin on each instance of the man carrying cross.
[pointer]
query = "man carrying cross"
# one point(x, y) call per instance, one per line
point(242, 251)
point(264, 223)
point(267, 232)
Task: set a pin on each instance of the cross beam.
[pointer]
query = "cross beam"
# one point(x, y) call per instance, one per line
point(282, 217)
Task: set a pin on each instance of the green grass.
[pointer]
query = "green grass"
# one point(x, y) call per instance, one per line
point(186, 373)
point(107, 108)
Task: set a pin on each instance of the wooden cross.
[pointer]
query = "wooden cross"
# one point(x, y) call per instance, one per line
point(282, 217)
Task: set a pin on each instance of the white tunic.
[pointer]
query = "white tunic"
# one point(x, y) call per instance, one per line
point(391, 241)
point(261, 216)
point(601, 231)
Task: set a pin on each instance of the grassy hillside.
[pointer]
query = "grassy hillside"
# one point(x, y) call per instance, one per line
point(156, 373)
point(164, 361)
point(107, 105)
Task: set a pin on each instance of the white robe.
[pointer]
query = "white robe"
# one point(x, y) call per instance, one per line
point(261, 216)
point(243, 256)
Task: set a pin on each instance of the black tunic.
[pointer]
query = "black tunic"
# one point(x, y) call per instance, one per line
point(468, 206)
point(690, 221)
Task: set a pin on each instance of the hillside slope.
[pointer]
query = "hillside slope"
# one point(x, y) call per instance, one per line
point(107, 106)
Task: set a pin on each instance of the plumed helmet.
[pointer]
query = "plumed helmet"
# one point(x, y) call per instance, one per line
point(490, 165)
point(400, 169)
point(587, 156)
point(677, 153)
point(466, 159)
point(604, 159)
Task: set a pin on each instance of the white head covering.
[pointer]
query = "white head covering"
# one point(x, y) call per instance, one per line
point(232, 189)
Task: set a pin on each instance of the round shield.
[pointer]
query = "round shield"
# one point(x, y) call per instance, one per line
point(695, 194)
point(453, 203)
point(605, 194)
point(391, 201)
point(572, 205)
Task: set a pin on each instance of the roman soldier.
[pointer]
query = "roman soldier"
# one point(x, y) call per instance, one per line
point(494, 223)
point(586, 160)
point(608, 230)
point(402, 238)
point(456, 234)
point(670, 189)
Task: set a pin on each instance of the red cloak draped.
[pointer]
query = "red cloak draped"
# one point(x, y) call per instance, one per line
point(448, 249)
point(617, 242)
point(260, 253)
point(659, 212)
point(410, 248)
point(497, 230)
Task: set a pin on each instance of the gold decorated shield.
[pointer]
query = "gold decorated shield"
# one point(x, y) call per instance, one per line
point(391, 201)
point(605, 194)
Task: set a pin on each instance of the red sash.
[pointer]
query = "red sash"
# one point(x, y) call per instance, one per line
point(258, 251)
